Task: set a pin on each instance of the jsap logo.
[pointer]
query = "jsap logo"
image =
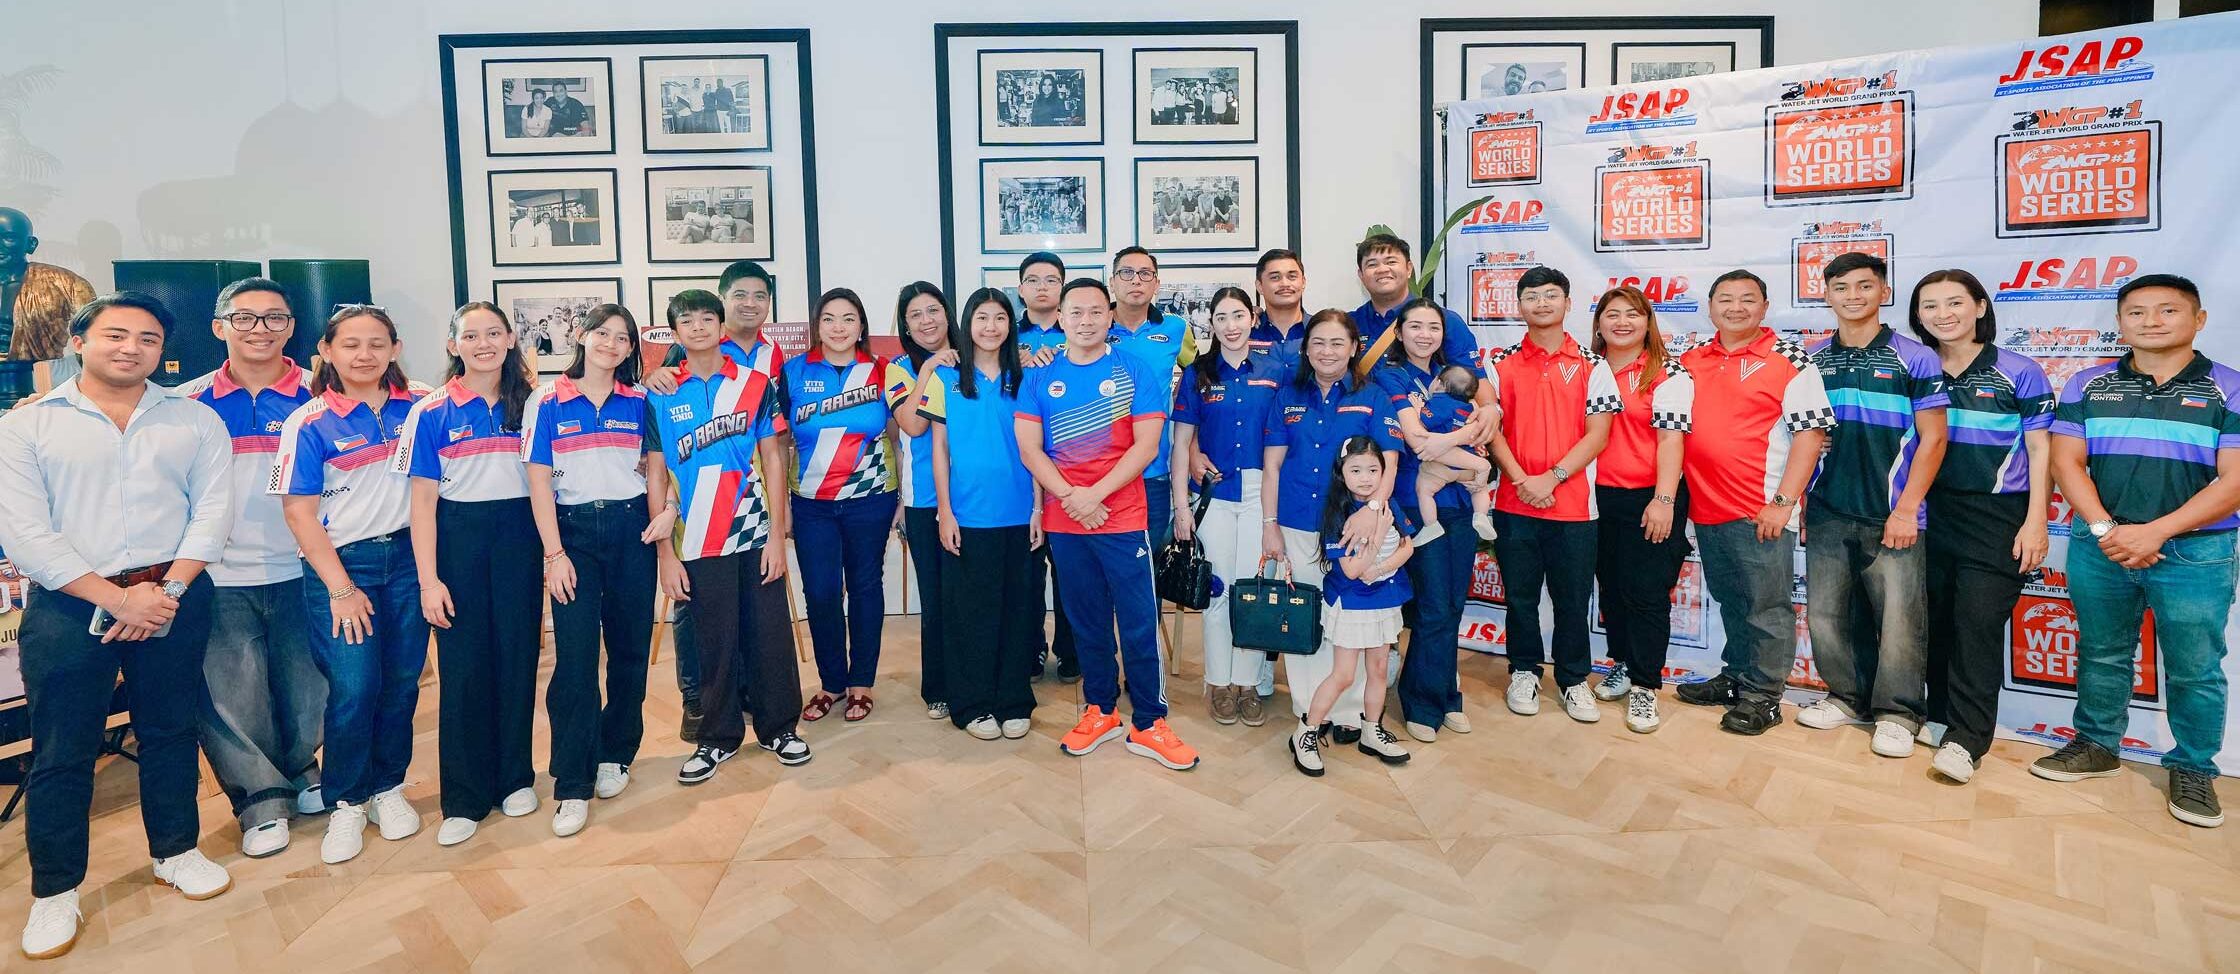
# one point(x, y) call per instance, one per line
point(1507, 216)
point(2100, 180)
point(1667, 293)
point(2092, 278)
point(1629, 111)
point(2058, 67)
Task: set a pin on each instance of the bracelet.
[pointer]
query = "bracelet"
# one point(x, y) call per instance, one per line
point(1270, 519)
point(556, 556)
point(347, 591)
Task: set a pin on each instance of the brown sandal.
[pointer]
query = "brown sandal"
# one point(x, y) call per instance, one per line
point(819, 705)
point(858, 708)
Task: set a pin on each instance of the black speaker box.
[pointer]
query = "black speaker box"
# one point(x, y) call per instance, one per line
point(314, 288)
point(189, 289)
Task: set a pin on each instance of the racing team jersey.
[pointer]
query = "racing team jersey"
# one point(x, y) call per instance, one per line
point(1750, 401)
point(1088, 415)
point(708, 430)
point(338, 449)
point(593, 450)
point(260, 550)
point(1876, 389)
point(838, 412)
point(459, 440)
point(1546, 397)
point(2150, 447)
point(1997, 398)
point(1630, 461)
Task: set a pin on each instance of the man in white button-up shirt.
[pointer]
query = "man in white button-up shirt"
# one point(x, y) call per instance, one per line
point(113, 496)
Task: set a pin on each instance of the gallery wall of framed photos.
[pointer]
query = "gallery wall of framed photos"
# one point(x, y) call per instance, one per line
point(624, 167)
point(1084, 138)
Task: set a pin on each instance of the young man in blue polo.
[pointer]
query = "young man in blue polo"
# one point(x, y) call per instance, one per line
point(1164, 344)
point(2147, 451)
point(1041, 338)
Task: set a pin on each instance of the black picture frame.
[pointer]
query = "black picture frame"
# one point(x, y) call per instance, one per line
point(1578, 50)
point(448, 47)
point(613, 219)
point(1103, 208)
point(547, 369)
point(1090, 103)
point(1617, 46)
point(765, 247)
point(645, 119)
point(1138, 194)
point(657, 308)
point(1135, 94)
point(491, 150)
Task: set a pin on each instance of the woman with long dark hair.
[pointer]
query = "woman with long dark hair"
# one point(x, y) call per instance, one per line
point(474, 539)
point(922, 319)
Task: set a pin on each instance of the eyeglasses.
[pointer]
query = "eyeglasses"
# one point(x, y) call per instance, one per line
point(250, 321)
point(1131, 274)
point(1039, 281)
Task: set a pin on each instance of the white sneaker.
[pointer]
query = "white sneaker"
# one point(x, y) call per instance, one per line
point(1578, 703)
point(984, 727)
point(1017, 727)
point(310, 801)
point(1641, 711)
point(264, 839)
point(1455, 720)
point(1931, 734)
point(193, 874)
point(1953, 762)
point(1431, 532)
point(1524, 693)
point(1483, 524)
point(396, 816)
point(1422, 732)
point(53, 926)
point(612, 779)
point(455, 830)
point(701, 766)
point(568, 819)
point(1824, 715)
point(1614, 685)
point(1892, 739)
point(346, 828)
point(521, 802)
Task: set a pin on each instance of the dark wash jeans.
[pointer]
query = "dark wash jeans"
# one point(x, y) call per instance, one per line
point(1865, 605)
point(842, 548)
point(265, 703)
point(372, 686)
point(1439, 573)
point(613, 599)
point(1751, 580)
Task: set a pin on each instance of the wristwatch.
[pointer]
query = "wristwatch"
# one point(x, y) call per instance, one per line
point(1665, 499)
point(1780, 500)
point(174, 589)
point(1559, 473)
point(2100, 529)
point(1377, 506)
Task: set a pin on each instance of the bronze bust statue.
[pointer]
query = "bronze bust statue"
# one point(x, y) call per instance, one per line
point(36, 300)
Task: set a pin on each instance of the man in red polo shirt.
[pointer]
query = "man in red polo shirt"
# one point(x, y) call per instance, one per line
point(1557, 401)
point(1762, 402)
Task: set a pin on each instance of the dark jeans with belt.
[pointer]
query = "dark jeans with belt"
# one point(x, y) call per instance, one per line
point(487, 554)
point(745, 632)
point(1636, 576)
point(1974, 581)
point(1560, 554)
point(373, 687)
point(842, 548)
point(69, 677)
point(991, 615)
point(614, 598)
point(922, 530)
point(1440, 574)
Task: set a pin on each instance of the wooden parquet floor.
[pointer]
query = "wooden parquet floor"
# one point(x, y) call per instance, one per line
point(1533, 844)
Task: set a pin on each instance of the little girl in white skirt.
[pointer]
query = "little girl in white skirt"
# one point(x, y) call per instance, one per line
point(1361, 595)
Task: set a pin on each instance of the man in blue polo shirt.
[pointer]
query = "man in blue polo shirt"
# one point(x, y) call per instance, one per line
point(1281, 280)
point(1867, 578)
point(1163, 341)
point(1387, 274)
point(1041, 276)
point(2147, 451)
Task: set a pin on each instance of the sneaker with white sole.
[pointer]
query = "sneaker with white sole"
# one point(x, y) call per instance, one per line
point(1954, 762)
point(396, 816)
point(1614, 685)
point(2076, 761)
point(790, 749)
point(1306, 749)
point(1422, 732)
point(311, 801)
point(568, 819)
point(521, 802)
point(1641, 711)
point(701, 766)
point(1017, 727)
point(612, 778)
point(193, 875)
point(937, 711)
point(1579, 705)
point(1455, 720)
point(984, 727)
point(52, 928)
point(1379, 743)
point(1892, 739)
point(1524, 693)
point(346, 834)
point(2193, 799)
point(1931, 734)
point(1824, 714)
point(456, 830)
point(265, 838)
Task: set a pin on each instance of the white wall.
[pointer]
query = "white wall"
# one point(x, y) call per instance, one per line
point(311, 128)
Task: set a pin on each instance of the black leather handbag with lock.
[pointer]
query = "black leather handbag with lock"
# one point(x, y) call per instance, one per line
point(1183, 575)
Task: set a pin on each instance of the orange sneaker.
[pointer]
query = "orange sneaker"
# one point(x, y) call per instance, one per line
point(1158, 743)
point(1096, 727)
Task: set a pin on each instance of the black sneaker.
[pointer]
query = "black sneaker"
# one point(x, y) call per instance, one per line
point(1751, 717)
point(688, 731)
point(789, 748)
point(1719, 691)
point(1069, 671)
point(1340, 733)
point(701, 766)
point(2193, 799)
point(2080, 760)
point(1035, 672)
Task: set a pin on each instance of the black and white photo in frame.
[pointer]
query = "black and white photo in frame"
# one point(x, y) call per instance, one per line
point(1198, 204)
point(1498, 70)
point(654, 327)
point(1197, 95)
point(708, 213)
point(562, 216)
point(1637, 63)
point(1187, 292)
point(1041, 204)
point(1042, 97)
point(548, 106)
point(706, 104)
point(546, 314)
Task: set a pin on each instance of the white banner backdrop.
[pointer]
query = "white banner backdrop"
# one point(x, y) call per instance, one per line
point(2053, 168)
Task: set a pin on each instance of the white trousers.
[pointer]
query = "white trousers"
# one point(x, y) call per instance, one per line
point(1306, 673)
point(1231, 534)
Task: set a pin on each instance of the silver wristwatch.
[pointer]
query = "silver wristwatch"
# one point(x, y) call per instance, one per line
point(1559, 473)
point(174, 589)
point(2100, 529)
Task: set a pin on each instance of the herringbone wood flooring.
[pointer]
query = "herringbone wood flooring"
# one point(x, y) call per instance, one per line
point(1533, 844)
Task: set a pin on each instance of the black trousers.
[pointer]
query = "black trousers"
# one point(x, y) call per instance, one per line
point(992, 613)
point(1974, 581)
point(614, 598)
point(745, 634)
point(69, 678)
point(1060, 643)
point(922, 530)
point(488, 555)
point(1636, 577)
point(1533, 551)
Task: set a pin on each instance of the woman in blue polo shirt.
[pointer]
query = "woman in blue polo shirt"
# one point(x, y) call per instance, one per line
point(480, 578)
point(584, 436)
point(1311, 415)
point(843, 499)
point(922, 318)
point(349, 511)
point(989, 527)
point(1221, 413)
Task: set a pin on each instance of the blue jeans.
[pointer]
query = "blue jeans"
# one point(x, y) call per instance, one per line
point(373, 686)
point(1440, 574)
point(2190, 591)
point(1866, 606)
point(1107, 580)
point(1750, 579)
point(844, 543)
point(265, 705)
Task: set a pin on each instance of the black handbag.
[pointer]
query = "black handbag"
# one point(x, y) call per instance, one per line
point(1278, 616)
point(1184, 576)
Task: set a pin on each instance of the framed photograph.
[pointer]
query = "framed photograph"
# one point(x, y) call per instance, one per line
point(1494, 70)
point(1042, 97)
point(704, 104)
point(548, 107)
point(1198, 204)
point(1188, 292)
point(707, 213)
point(1637, 63)
point(546, 314)
point(1202, 96)
point(1028, 205)
point(556, 216)
point(654, 327)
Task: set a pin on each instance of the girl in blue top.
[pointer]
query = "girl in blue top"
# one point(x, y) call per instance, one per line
point(922, 318)
point(990, 527)
point(1361, 595)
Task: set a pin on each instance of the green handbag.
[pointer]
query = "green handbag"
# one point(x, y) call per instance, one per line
point(1278, 616)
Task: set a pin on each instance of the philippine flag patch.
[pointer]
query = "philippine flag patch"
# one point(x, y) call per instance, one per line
point(458, 433)
point(350, 442)
point(569, 427)
point(2194, 401)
